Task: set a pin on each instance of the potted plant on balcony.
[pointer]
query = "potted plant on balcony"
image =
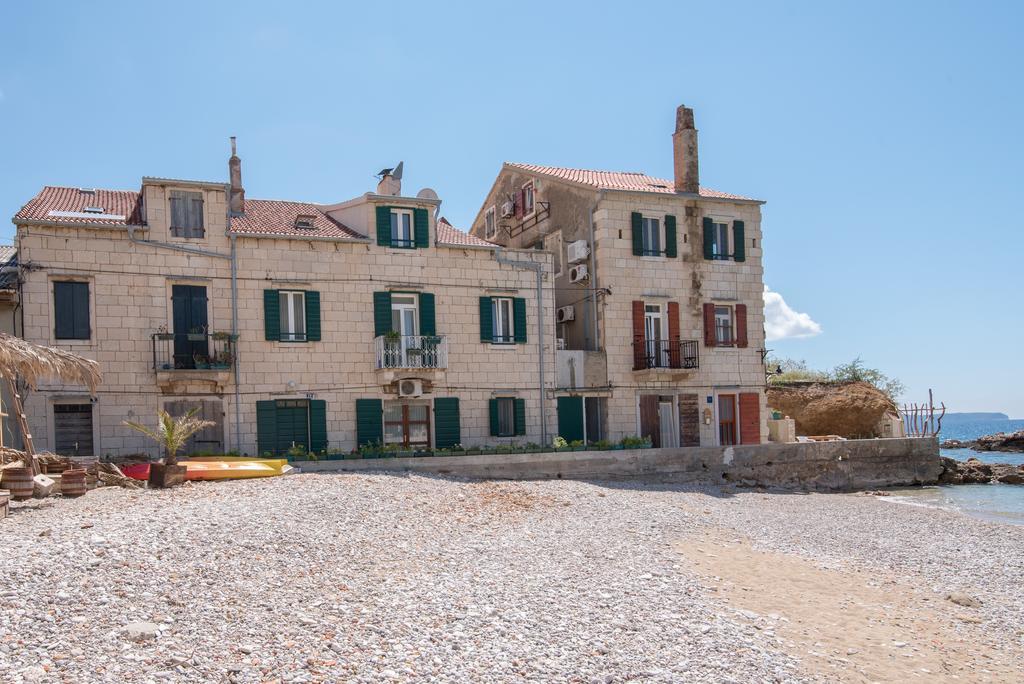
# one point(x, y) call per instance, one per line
point(222, 360)
point(162, 334)
point(171, 434)
point(197, 334)
point(201, 361)
point(224, 336)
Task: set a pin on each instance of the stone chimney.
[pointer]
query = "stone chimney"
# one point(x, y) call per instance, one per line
point(236, 200)
point(389, 186)
point(684, 152)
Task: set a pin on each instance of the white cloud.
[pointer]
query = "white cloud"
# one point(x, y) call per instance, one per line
point(781, 322)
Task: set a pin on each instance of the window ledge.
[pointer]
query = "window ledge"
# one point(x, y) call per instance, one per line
point(502, 345)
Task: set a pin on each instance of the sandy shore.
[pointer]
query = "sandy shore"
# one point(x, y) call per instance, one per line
point(391, 578)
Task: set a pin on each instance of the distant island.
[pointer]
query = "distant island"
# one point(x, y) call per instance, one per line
point(954, 418)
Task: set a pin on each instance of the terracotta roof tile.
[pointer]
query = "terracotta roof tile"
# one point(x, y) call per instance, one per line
point(447, 234)
point(278, 217)
point(619, 180)
point(68, 205)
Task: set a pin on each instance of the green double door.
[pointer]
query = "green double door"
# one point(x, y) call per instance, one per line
point(292, 425)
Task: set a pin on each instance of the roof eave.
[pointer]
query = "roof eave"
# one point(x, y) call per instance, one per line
point(314, 238)
point(75, 224)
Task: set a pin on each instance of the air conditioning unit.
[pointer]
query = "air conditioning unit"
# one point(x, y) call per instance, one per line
point(560, 343)
point(565, 313)
point(410, 388)
point(577, 251)
point(508, 209)
point(578, 273)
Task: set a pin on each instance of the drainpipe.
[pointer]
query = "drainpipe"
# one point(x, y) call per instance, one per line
point(593, 296)
point(500, 257)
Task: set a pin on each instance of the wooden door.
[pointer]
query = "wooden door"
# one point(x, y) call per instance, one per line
point(72, 429)
point(650, 425)
point(188, 310)
point(208, 440)
point(689, 420)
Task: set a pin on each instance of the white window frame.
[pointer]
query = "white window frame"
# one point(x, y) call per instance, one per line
point(490, 223)
point(290, 335)
point(396, 228)
point(400, 303)
point(720, 246)
point(529, 187)
point(732, 325)
point(645, 220)
point(499, 335)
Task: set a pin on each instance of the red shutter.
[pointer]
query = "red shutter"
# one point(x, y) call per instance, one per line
point(709, 325)
point(519, 202)
point(639, 358)
point(674, 358)
point(741, 325)
point(750, 418)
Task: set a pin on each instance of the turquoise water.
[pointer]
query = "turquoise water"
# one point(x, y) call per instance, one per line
point(991, 502)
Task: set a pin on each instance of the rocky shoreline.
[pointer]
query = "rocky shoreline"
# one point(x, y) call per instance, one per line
point(1001, 441)
point(973, 471)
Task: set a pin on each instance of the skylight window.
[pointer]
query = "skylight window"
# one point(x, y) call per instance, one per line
point(304, 222)
point(94, 210)
point(87, 191)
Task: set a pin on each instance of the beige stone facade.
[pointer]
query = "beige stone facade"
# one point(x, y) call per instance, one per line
point(679, 405)
point(136, 270)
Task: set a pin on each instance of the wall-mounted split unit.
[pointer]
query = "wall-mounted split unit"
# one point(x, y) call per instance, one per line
point(578, 273)
point(507, 209)
point(577, 251)
point(565, 313)
point(410, 388)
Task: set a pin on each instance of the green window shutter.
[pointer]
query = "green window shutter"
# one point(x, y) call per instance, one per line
point(384, 226)
point(317, 425)
point(266, 427)
point(421, 227)
point(381, 313)
point(520, 411)
point(739, 241)
point(272, 315)
point(570, 418)
point(495, 423)
point(709, 238)
point(427, 324)
point(670, 237)
point(71, 311)
point(519, 319)
point(446, 422)
point(486, 319)
point(312, 316)
point(638, 233)
point(369, 421)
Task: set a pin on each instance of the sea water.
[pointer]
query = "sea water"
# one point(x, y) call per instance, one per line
point(992, 502)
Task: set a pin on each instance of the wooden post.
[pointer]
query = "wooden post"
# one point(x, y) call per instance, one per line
point(19, 412)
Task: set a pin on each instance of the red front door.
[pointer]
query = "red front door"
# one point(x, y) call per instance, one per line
point(726, 419)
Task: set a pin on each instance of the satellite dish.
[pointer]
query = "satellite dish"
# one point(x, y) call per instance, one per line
point(397, 173)
point(427, 193)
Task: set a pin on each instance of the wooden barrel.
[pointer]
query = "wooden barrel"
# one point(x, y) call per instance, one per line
point(72, 482)
point(19, 481)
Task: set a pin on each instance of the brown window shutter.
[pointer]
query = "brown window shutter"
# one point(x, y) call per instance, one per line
point(750, 418)
point(674, 359)
point(519, 201)
point(741, 325)
point(639, 355)
point(709, 325)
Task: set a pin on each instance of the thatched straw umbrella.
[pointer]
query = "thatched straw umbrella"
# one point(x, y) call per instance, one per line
point(32, 363)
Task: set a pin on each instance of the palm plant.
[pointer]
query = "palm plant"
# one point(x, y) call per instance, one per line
point(171, 433)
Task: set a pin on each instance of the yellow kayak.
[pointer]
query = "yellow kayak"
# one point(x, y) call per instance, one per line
point(219, 468)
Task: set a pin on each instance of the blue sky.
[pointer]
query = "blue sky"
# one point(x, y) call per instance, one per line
point(886, 137)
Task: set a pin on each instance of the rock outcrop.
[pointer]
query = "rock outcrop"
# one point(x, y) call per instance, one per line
point(1001, 441)
point(973, 471)
point(848, 409)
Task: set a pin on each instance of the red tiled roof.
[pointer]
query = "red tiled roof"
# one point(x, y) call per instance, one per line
point(619, 180)
point(277, 217)
point(67, 205)
point(447, 234)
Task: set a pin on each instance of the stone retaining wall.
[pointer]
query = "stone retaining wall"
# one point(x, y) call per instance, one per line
point(853, 464)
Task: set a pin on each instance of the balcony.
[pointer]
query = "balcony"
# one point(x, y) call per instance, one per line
point(182, 358)
point(665, 357)
point(421, 356)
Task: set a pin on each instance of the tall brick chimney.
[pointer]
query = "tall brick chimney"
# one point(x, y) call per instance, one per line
point(236, 200)
point(684, 152)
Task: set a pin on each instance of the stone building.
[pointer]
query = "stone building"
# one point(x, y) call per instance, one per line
point(289, 324)
point(658, 294)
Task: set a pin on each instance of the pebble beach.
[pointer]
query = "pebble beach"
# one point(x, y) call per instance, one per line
point(376, 577)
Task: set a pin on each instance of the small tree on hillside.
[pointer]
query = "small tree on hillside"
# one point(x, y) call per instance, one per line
point(856, 371)
point(172, 433)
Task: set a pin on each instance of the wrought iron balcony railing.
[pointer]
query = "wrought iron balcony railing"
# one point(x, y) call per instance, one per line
point(680, 354)
point(411, 351)
point(193, 351)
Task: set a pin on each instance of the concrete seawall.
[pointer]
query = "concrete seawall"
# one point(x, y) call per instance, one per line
point(853, 464)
